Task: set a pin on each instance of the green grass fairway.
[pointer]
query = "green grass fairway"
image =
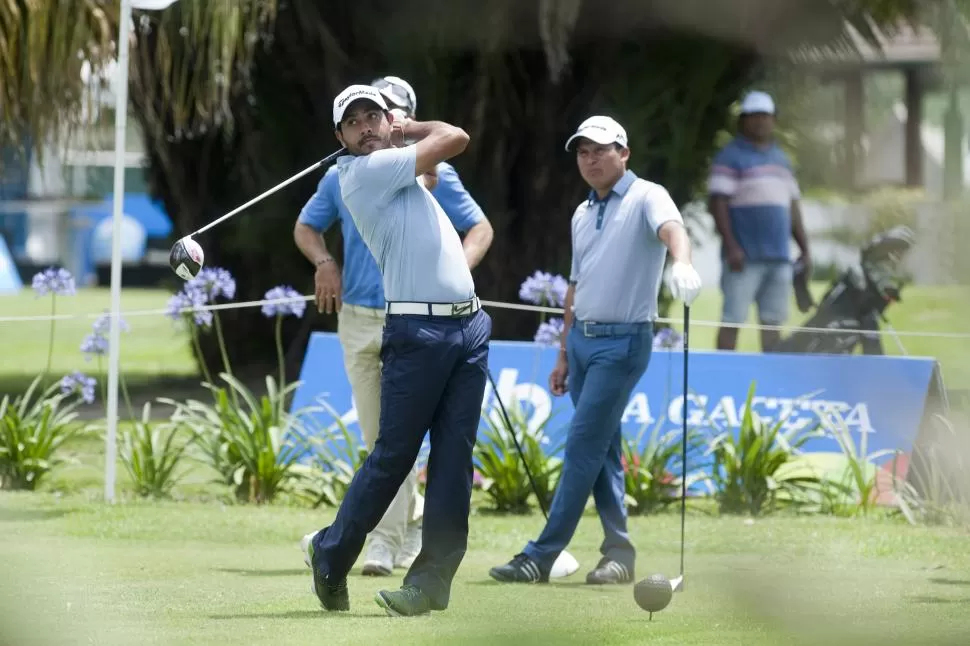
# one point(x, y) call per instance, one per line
point(197, 571)
point(154, 347)
point(78, 572)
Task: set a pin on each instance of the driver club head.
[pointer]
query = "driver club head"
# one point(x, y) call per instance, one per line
point(186, 258)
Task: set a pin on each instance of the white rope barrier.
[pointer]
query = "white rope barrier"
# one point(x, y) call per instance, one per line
point(487, 304)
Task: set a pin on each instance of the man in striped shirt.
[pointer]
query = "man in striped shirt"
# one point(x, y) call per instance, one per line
point(754, 198)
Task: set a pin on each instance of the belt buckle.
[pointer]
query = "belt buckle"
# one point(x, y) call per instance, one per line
point(460, 309)
point(586, 331)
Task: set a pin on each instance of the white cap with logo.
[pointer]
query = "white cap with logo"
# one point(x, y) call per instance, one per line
point(602, 130)
point(354, 93)
point(757, 103)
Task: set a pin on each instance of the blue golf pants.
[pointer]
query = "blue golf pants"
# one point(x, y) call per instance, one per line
point(433, 377)
point(605, 363)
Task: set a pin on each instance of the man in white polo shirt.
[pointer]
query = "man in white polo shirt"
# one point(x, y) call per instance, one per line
point(434, 352)
point(621, 235)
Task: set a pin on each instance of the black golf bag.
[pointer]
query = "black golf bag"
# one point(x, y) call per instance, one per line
point(855, 302)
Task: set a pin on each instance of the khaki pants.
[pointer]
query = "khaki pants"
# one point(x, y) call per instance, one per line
point(360, 330)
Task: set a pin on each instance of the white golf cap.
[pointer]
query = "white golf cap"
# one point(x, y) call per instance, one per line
point(397, 91)
point(602, 130)
point(757, 102)
point(354, 93)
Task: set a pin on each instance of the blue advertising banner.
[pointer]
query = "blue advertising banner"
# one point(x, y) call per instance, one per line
point(877, 402)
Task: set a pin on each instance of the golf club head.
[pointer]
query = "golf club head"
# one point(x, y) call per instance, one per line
point(186, 258)
point(677, 583)
point(565, 565)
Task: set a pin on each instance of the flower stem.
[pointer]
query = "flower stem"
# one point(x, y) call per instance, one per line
point(225, 356)
point(222, 344)
point(279, 349)
point(104, 395)
point(50, 341)
point(124, 392)
point(198, 352)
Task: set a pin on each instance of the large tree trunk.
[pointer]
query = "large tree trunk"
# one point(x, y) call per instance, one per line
point(672, 91)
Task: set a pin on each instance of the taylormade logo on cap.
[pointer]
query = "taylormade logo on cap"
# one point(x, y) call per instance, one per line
point(602, 130)
point(353, 93)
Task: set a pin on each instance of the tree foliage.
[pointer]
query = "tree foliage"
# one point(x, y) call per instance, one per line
point(233, 97)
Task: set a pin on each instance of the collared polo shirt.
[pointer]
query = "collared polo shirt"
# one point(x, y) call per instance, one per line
point(416, 248)
point(617, 258)
point(362, 281)
point(760, 186)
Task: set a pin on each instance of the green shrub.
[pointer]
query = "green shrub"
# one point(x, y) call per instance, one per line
point(649, 471)
point(34, 428)
point(756, 470)
point(503, 473)
point(254, 446)
point(151, 452)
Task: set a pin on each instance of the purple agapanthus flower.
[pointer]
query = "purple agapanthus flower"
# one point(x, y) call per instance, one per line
point(102, 326)
point(94, 345)
point(53, 280)
point(550, 332)
point(542, 288)
point(78, 383)
point(189, 299)
point(295, 305)
point(213, 282)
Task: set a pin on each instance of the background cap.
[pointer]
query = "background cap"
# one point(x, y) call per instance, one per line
point(602, 130)
point(397, 91)
point(757, 102)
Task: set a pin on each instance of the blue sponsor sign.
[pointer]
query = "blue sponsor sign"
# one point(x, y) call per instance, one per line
point(878, 400)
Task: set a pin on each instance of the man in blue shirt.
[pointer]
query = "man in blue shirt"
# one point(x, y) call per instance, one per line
point(434, 352)
point(620, 238)
point(754, 198)
point(358, 298)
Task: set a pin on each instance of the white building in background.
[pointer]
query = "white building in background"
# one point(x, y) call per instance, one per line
point(80, 174)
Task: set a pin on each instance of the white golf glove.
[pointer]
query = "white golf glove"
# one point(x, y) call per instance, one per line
point(684, 282)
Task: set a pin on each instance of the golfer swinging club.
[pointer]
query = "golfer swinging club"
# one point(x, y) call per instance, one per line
point(434, 353)
point(358, 298)
point(620, 237)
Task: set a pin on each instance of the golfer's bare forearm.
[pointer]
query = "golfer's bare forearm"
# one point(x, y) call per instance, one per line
point(798, 228)
point(674, 236)
point(311, 244)
point(437, 141)
point(722, 221)
point(567, 318)
point(476, 242)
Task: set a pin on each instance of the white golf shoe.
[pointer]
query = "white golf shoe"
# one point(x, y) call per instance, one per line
point(379, 560)
point(411, 548)
point(305, 548)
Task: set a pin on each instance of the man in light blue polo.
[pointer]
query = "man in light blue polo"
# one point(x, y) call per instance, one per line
point(620, 235)
point(754, 198)
point(358, 298)
point(434, 352)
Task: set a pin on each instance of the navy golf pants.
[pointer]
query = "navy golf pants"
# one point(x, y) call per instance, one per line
point(433, 377)
point(603, 370)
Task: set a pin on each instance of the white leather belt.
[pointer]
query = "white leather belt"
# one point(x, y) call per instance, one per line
point(461, 308)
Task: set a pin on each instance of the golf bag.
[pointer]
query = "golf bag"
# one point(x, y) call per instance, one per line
point(855, 302)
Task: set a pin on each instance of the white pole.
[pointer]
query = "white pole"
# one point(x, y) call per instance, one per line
point(114, 338)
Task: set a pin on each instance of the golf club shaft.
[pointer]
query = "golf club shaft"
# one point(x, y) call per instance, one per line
point(323, 162)
point(683, 445)
point(525, 463)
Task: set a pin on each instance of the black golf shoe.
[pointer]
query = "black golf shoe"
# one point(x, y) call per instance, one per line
point(409, 601)
point(609, 571)
point(520, 569)
point(333, 595)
